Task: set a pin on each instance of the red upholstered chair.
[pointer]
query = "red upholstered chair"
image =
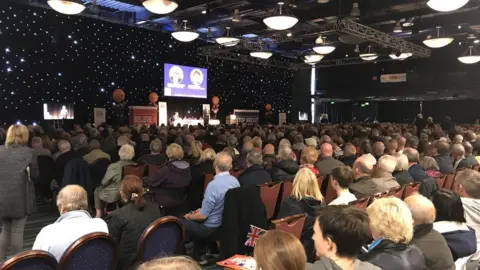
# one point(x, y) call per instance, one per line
point(361, 203)
point(449, 181)
point(411, 189)
point(440, 181)
point(208, 178)
point(291, 224)
point(31, 259)
point(331, 194)
point(137, 170)
point(269, 194)
point(153, 169)
point(287, 188)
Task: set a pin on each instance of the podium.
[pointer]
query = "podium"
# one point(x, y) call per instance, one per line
point(231, 119)
point(143, 115)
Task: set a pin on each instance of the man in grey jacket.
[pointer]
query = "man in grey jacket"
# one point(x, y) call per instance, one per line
point(339, 234)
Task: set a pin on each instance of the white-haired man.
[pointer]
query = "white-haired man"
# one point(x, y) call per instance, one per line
point(383, 175)
point(73, 223)
point(458, 157)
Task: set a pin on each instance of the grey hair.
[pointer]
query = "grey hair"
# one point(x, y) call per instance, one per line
point(122, 140)
point(254, 158)
point(156, 146)
point(64, 146)
point(126, 152)
point(285, 153)
point(223, 161)
point(72, 197)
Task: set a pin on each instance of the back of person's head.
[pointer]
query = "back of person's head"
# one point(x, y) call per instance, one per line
point(412, 143)
point(271, 138)
point(37, 142)
point(469, 182)
point(363, 165)
point(279, 250)
point(298, 138)
point(131, 190)
point(468, 148)
point(257, 142)
point(401, 142)
point(145, 137)
point(171, 263)
point(126, 152)
point(402, 162)
point(247, 147)
point(269, 149)
point(387, 164)
point(429, 163)
point(305, 185)
point(378, 148)
point(458, 138)
point(223, 162)
point(72, 198)
point(122, 140)
point(422, 209)
point(448, 206)
point(458, 150)
point(285, 153)
point(196, 148)
point(340, 231)
point(391, 219)
point(175, 152)
point(17, 135)
point(64, 146)
point(309, 155)
point(349, 150)
point(207, 154)
point(412, 155)
point(366, 148)
point(343, 175)
point(443, 147)
point(284, 143)
point(156, 146)
point(94, 144)
point(254, 158)
point(326, 150)
point(470, 136)
point(232, 141)
point(392, 146)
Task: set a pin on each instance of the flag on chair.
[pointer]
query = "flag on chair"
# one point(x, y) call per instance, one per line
point(253, 235)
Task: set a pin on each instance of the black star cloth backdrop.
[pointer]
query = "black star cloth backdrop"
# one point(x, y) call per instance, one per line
point(47, 57)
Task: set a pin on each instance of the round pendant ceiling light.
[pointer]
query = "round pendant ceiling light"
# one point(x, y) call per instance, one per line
point(369, 55)
point(227, 41)
point(400, 57)
point(160, 6)
point(261, 55)
point(185, 35)
point(446, 5)
point(323, 48)
point(280, 21)
point(437, 41)
point(70, 7)
point(313, 58)
point(471, 57)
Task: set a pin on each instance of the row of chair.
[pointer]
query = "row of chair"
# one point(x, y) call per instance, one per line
point(141, 170)
point(98, 250)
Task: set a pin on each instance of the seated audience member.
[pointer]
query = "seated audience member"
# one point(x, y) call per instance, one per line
point(279, 250)
point(401, 144)
point(311, 142)
point(221, 143)
point(255, 173)
point(170, 263)
point(109, 191)
point(143, 147)
point(308, 159)
point(285, 168)
point(451, 223)
point(458, 139)
point(412, 143)
point(378, 150)
point(67, 154)
point(443, 158)
point(430, 166)
point(121, 141)
point(327, 162)
point(269, 155)
point(415, 170)
point(195, 149)
point(366, 148)
point(339, 234)
point(127, 224)
point(363, 185)
point(469, 190)
point(37, 145)
point(342, 179)
point(349, 155)
point(286, 143)
point(241, 162)
point(232, 143)
point(257, 143)
point(392, 147)
point(458, 157)
point(391, 225)
point(95, 152)
point(470, 159)
point(424, 148)
point(73, 223)
point(298, 144)
point(429, 241)
point(305, 198)
point(80, 144)
point(201, 224)
point(401, 170)
point(155, 157)
point(198, 170)
point(170, 183)
point(383, 174)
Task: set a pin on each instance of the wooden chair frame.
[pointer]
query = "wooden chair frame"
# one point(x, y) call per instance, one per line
point(290, 221)
point(136, 167)
point(29, 254)
point(271, 186)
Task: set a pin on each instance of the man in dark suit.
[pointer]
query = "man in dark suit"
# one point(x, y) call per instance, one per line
point(255, 173)
point(414, 169)
point(327, 163)
point(458, 157)
point(469, 157)
point(67, 154)
point(443, 158)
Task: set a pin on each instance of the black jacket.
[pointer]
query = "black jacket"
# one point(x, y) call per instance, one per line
point(284, 170)
point(364, 187)
point(326, 165)
point(445, 163)
point(348, 160)
point(61, 162)
point(392, 256)
point(434, 247)
point(254, 175)
point(417, 172)
point(403, 177)
point(126, 225)
point(195, 190)
point(77, 172)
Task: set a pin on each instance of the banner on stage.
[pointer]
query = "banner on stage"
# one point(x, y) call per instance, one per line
point(99, 116)
point(162, 113)
point(282, 118)
point(246, 116)
point(393, 78)
point(143, 115)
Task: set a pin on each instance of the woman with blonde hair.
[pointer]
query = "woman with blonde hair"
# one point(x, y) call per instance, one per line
point(401, 170)
point(308, 159)
point(278, 250)
point(391, 224)
point(199, 169)
point(305, 198)
point(16, 159)
point(171, 263)
point(196, 148)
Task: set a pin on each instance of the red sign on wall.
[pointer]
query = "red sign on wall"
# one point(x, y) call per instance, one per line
point(142, 115)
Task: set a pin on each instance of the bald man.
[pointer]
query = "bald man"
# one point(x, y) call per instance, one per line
point(269, 156)
point(363, 185)
point(326, 163)
point(378, 150)
point(73, 223)
point(431, 243)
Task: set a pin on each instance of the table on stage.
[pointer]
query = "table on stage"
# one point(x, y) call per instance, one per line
point(188, 122)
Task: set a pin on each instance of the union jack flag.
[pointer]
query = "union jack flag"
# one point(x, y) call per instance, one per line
point(253, 235)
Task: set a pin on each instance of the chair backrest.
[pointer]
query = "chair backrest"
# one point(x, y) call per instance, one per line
point(92, 251)
point(153, 169)
point(449, 181)
point(31, 260)
point(269, 194)
point(208, 178)
point(291, 224)
point(397, 192)
point(98, 170)
point(236, 173)
point(46, 167)
point(163, 237)
point(361, 203)
point(410, 189)
point(330, 193)
point(287, 188)
point(137, 170)
point(440, 181)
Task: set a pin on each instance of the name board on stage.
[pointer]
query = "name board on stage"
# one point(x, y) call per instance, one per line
point(393, 78)
point(99, 116)
point(246, 116)
point(143, 115)
point(162, 113)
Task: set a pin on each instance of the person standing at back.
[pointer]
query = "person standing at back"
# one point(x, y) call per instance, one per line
point(15, 158)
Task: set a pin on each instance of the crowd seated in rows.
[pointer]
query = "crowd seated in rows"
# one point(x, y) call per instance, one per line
point(254, 173)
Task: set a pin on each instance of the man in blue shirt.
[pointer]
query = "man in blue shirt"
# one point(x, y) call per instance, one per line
point(201, 224)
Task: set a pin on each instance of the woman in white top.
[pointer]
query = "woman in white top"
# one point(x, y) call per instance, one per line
point(342, 179)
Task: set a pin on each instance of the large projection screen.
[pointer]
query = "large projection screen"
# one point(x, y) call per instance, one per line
point(183, 81)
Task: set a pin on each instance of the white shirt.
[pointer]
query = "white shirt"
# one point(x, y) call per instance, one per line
point(57, 237)
point(344, 198)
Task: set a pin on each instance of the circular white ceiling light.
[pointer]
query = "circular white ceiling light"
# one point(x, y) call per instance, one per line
point(471, 57)
point(280, 21)
point(369, 55)
point(227, 41)
point(261, 55)
point(313, 58)
point(437, 41)
point(400, 57)
point(185, 35)
point(324, 49)
point(71, 7)
point(160, 6)
point(446, 5)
